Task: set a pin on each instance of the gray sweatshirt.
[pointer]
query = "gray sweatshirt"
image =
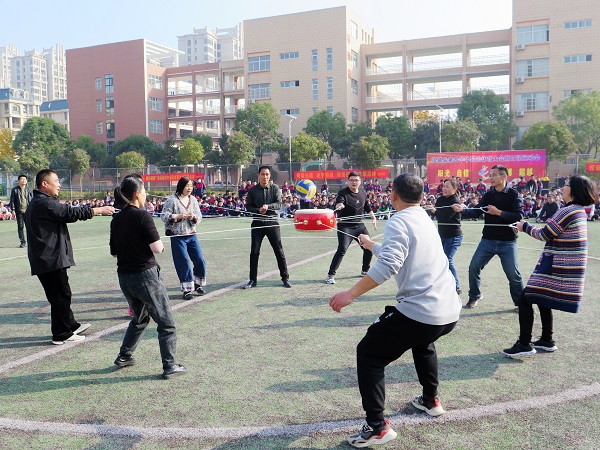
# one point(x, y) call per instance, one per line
point(412, 252)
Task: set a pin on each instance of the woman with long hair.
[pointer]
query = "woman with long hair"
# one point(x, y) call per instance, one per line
point(133, 241)
point(558, 278)
point(181, 214)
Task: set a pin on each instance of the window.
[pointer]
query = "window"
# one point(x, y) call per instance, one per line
point(288, 84)
point(99, 105)
point(315, 89)
point(109, 146)
point(108, 83)
point(570, 92)
point(354, 58)
point(330, 110)
point(315, 60)
point(155, 82)
point(533, 34)
point(156, 126)
point(532, 68)
point(156, 104)
point(292, 112)
point(329, 88)
point(329, 58)
point(578, 24)
point(354, 86)
point(259, 91)
point(257, 63)
point(354, 115)
point(99, 128)
point(289, 55)
point(98, 82)
point(315, 109)
point(577, 59)
point(534, 101)
point(353, 30)
point(110, 106)
point(110, 129)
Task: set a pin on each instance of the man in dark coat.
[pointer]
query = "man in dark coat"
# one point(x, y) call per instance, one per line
point(20, 197)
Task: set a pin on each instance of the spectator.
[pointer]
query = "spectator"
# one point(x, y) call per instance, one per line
point(532, 186)
point(20, 197)
point(548, 210)
point(5, 213)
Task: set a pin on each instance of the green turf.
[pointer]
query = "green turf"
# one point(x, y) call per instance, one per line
point(272, 356)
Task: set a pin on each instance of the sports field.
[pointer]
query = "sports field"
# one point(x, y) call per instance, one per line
point(274, 368)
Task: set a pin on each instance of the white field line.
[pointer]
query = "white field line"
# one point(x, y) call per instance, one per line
point(343, 426)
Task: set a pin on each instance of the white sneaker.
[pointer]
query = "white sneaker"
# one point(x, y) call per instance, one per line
point(82, 328)
point(363, 273)
point(74, 338)
point(330, 279)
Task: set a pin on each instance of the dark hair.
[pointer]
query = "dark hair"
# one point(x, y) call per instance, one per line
point(583, 191)
point(453, 182)
point(181, 184)
point(22, 176)
point(124, 193)
point(42, 176)
point(409, 188)
point(501, 168)
point(353, 174)
point(264, 167)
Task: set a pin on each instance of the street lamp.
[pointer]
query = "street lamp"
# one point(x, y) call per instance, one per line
point(440, 129)
point(292, 118)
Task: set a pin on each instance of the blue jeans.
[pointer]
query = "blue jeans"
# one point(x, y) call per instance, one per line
point(450, 247)
point(148, 298)
point(507, 251)
point(183, 249)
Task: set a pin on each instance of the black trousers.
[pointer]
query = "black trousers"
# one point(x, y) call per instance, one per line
point(258, 230)
point(58, 292)
point(386, 340)
point(20, 226)
point(344, 242)
point(526, 321)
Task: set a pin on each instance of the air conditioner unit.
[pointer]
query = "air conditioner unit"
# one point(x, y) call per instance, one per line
point(251, 101)
point(520, 113)
point(520, 80)
point(520, 46)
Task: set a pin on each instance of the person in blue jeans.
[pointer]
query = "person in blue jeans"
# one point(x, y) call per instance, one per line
point(181, 213)
point(503, 207)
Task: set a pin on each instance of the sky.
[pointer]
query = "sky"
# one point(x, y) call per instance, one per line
point(38, 24)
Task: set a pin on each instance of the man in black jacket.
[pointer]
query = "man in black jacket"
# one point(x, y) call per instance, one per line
point(503, 208)
point(263, 203)
point(20, 197)
point(51, 254)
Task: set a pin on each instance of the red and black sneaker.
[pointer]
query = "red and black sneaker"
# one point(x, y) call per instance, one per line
point(434, 409)
point(372, 436)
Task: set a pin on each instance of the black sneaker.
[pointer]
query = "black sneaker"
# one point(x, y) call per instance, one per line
point(434, 409)
point(23, 245)
point(187, 296)
point(174, 371)
point(547, 346)
point(199, 289)
point(369, 436)
point(125, 360)
point(251, 284)
point(519, 350)
point(472, 303)
point(286, 284)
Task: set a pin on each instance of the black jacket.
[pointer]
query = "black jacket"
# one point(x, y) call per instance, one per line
point(48, 241)
point(259, 196)
point(15, 198)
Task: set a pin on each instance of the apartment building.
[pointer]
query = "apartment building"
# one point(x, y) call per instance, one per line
point(57, 110)
point(206, 45)
point(16, 107)
point(56, 70)
point(29, 72)
point(6, 53)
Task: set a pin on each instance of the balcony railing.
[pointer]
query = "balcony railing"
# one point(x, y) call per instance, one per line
point(488, 60)
point(383, 70)
point(234, 86)
point(381, 97)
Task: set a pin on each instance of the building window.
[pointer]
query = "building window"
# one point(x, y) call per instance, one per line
point(354, 115)
point(315, 109)
point(330, 110)
point(329, 88)
point(353, 30)
point(155, 82)
point(292, 112)
point(99, 105)
point(108, 84)
point(99, 128)
point(532, 68)
point(156, 126)
point(259, 91)
point(258, 63)
point(329, 58)
point(110, 129)
point(315, 89)
point(110, 106)
point(354, 86)
point(288, 84)
point(156, 104)
point(534, 101)
point(570, 92)
point(578, 24)
point(315, 60)
point(289, 55)
point(520, 132)
point(109, 147)
point(577, 59)
point(98, 83)
point(533, 34)
point(354, 58)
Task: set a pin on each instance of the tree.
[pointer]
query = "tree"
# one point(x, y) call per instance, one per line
point(239, 149)
point(328, 128)
point(169, 154)
point(95, 150)
point(460, 136)
point(426, 135)
point(205, 141)
point(130, 161)
point(139, 144)
point(190, 152)
point(79, 163)
point(553, 136)
point(354, 132)
point(495, 122)
point(306, 147)
point(42, 135)
point(581, 113)
point(399, 134)
point(8, 164)
point(260, 122)
point(369, 151)
point(6, 139)
point(33, 161)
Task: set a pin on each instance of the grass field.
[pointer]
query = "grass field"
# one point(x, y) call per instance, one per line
point(274, 368)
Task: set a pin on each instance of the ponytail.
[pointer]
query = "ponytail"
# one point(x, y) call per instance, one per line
point(125, 192)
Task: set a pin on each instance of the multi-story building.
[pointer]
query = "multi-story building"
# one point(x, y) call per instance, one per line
point(6, 53)
point(56, 70)
point(29, 72)
point(57, 110)
point(16, 107)
point(206, 45)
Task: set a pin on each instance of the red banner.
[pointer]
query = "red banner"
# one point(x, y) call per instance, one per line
point(592, 167)
point(340, 174)
point(174, 176)
point(476, 165)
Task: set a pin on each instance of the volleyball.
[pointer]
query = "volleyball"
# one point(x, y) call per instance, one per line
point(306, 189)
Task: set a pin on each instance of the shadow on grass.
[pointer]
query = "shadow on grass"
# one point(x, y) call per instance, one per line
point(22, 342)
point(324, 300)
point(466, 367)
point(115, 442)
point(333, 322)
point(256, 443)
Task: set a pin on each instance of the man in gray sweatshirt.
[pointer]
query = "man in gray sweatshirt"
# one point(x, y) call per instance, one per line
point(427, 308)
